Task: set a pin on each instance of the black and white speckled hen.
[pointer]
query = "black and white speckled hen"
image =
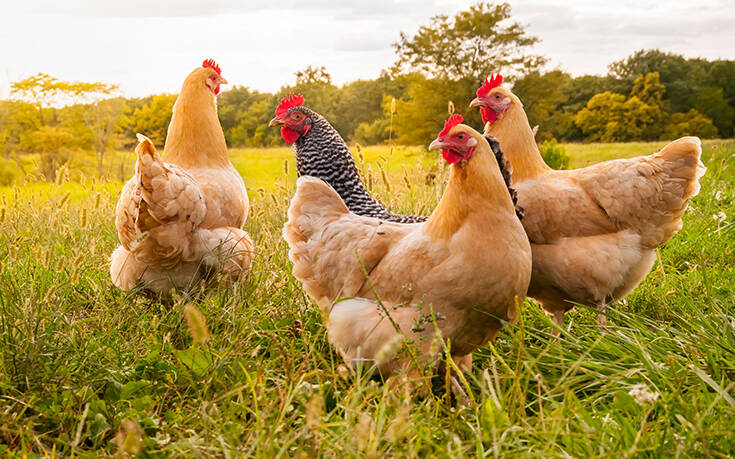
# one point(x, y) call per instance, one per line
point(322, 153)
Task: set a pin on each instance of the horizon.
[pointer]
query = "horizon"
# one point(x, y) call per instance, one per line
point(261, 46)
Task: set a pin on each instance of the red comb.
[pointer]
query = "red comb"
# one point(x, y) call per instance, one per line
point(493, 82)
point(209, 63)
point(450, 123)
point(288, 102)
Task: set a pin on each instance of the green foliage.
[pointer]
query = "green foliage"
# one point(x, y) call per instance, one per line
point(609, 117)
point(373, 133)
point(689, 123)
point(723, 76)
point(44, 90)
point(711, 102)
point(544, 97)
point(87, 371)
point(682, 77)
point(421, 114)
point(244, 115)
point(9, 172)
point(92, 118)
point(597, 118)
point(152, 119)
point(554, 155)
point(470, 45)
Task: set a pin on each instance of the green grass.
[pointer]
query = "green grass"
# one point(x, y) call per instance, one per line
point(82, 364)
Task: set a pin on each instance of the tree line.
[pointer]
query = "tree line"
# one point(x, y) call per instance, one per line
point(650, 95)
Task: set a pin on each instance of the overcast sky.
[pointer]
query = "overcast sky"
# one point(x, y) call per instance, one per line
point(149, 46)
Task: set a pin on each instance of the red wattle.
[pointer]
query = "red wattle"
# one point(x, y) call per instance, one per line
point(289, 136)
point(216, 91)
point(451, 157)
point(488, 115)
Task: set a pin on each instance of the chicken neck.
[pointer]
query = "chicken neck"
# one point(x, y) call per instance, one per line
point(476, 190)
point(195, 138)
point(518, 143)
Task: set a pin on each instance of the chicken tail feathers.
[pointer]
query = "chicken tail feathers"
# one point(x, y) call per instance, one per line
point(314, 198)
point(681, 168)
point(685, 155)
point(149, 163)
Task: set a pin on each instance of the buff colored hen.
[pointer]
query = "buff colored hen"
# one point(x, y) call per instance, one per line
point(593, 231)
point(468, 265)
point(179, 218)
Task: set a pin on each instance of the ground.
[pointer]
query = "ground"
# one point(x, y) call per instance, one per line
point(86, 370)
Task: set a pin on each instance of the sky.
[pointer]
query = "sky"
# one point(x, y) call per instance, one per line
point(149, 46)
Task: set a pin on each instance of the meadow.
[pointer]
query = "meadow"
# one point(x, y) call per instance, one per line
point(89, 371)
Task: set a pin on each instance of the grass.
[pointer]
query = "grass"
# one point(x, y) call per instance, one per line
point(87, 371)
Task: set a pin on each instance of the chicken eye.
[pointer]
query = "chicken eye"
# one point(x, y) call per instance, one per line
point(460, 136)
point(497, 96)
point(296, 116)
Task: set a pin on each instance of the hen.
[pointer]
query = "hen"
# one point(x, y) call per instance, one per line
point(180, 216)
point(594, 230)
point(468, 265)
point(322, 153)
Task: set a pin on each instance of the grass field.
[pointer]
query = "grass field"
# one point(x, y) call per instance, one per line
point(87, 371)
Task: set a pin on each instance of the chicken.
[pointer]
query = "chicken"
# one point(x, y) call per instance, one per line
point(593, 231)
point(180, 217)
point(468, 265)
point(322, 153)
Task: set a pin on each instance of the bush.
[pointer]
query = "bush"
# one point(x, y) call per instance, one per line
point(689, 123)
point(372, 133)
point(9, 172)
point(554, 155)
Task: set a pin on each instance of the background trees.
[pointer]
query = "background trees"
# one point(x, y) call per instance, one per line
point(649, 95)
point(90, 120)
point(469, 45)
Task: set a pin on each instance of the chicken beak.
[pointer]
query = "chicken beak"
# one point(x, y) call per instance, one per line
point(476, 102)
point(222, 80)
point(276, 122)
point(436, 145)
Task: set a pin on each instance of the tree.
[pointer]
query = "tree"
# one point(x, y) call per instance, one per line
point(648, 89)
point(100, 116)
point(421, 114)
point(16, 118)
point(470, 45)
point(53, 143)
point(601, 109)
point(711, 102)
point(689, 123)
point(103, 119)
point(648, 115)
point(315, 84)
point(723, 75)
point(153, 118)
point(682, 77)
point(544, 97)
point(610, 117)
point(313, 75)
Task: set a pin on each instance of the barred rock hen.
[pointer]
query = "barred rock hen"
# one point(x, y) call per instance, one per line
point(594, 230)
point(322, 153)
point(469, 264)
point(180, 216)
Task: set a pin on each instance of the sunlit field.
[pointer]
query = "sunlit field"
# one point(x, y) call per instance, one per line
point(86, 370)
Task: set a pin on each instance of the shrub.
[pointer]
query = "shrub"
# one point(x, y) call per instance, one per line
point(9, 172)
point(554, 155)
point(372, 133)
point(689, 123)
